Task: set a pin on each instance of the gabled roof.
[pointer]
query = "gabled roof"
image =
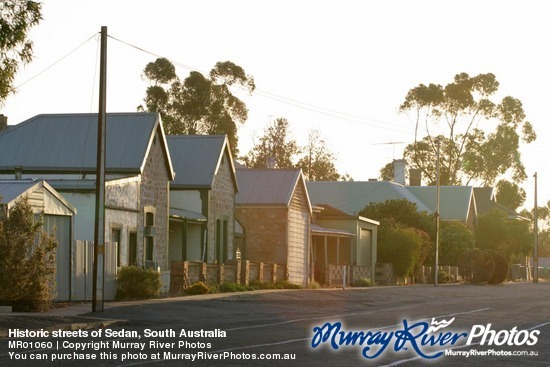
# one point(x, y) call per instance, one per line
point(485, 198)
point(197, 159)
point(269, 186)
point(10, 191)
point(61, 143)
point(454, 201)
point(353, 196)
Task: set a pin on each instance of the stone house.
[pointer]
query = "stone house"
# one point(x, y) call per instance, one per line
point(61, 148)
point(274, 212)
point(202, 199)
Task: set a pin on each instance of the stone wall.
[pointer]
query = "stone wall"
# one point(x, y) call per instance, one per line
point(266, 233)
point(154, 196)
point(222, 208)
point(184, 274)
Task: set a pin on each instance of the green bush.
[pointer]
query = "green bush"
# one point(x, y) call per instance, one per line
point(443, 277)
point(256, 284)
point(197, 288)
point(27, 260)
point(285, 284)
point(231, 287)
point(501, 267)
point(402, 248)
point(313, 285)
point(476, 266)
point(137, 283)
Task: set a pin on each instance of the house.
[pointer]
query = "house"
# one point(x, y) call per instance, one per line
point(202, 199)
point(352, 196)
point(456, 202)
point(274, 211)
point(339, 238)
point(58, 216)
point(61, 148)
point(486, 201)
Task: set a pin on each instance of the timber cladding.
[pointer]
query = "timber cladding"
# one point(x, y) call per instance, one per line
point(298, 236)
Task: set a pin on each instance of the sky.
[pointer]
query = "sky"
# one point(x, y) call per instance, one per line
point(341, 67)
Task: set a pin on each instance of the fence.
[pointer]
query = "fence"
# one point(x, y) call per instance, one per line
point(185, 273)
point(82, 283)
point(333, 275)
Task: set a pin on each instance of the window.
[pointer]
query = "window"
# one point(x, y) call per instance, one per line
point(115, 240)
point(218, 254)
point(149, 236)
point(132, 248)
point(224, 249)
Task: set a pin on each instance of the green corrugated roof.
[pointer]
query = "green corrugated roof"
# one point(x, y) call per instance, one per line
point(68, 143)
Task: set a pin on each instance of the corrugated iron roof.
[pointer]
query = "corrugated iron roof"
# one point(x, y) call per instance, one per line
point(187, 214)
point(353, 196)
point(12, 190)
point(266, 186)
point(319, 230)
point(454, 201)
point(68, 143)
point(196, 159)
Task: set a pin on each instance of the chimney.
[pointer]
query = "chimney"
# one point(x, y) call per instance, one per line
point(415, 177)
point(3, 122)
point(270, 162)
point(399, 167)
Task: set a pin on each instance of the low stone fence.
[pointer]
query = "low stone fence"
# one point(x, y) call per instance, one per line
point(186, 273)
point(333, 275)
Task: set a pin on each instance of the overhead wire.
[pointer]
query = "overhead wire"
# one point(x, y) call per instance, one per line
point(53, 64)
point(303, 105)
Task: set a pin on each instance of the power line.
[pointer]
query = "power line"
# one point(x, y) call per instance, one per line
point(303, 105)
point(52, 65)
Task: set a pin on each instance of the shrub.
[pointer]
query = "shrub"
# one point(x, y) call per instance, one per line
point(256, 284)
point(136, 283)
point(401, 247)
point(27, 260)
point(362, 282)
point(231, 287)
point(197, 288)
point(501, 267)
point(443, 277)
point(285, 284)
point(476, 266)
point(313, 285)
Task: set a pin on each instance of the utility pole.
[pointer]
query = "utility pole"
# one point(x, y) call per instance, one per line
point(536, 242)
point(436, 269)
point(99, 227)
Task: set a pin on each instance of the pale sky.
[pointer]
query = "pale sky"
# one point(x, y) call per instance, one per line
point(342, 67)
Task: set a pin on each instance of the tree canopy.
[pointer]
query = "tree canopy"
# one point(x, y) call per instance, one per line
point(511, 238)
point(16, 19)
point(479, 139)
point(278, 149)
point(317, 163)
point(509, 194)
point(198, 104)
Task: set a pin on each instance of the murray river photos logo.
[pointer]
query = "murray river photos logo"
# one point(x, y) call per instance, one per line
point(427, 340)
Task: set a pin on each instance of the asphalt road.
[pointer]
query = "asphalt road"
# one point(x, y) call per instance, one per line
point(282, 324)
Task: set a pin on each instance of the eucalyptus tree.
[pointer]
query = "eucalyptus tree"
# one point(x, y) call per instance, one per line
point(16, 19)
point(199, 104)
point(478, 138)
